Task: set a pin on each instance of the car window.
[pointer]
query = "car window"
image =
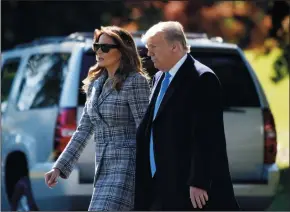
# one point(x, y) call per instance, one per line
point(237, 84)
point(43, 79)
point(8, 72)
point(147, 63)
point(88, 60)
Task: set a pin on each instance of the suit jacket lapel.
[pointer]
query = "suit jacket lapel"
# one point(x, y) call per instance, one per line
point(157, 83)
point(178, 78)
point(147, 120)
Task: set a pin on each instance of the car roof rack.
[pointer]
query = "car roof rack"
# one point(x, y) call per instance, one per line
point(188, 35)
point(74, 37)
point(196, 35)
point(83, 36)
point(41, 40)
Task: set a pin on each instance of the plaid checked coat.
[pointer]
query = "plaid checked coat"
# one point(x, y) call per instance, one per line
point(113, 117)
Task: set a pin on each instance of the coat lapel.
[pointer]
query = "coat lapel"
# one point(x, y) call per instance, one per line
point(146, 122)
point(178, 78)
point(104, 94)
point(98, 84)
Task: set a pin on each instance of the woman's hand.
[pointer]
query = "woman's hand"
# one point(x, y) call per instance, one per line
point(51, 177)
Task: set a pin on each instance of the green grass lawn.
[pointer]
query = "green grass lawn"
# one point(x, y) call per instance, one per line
point(278, 97)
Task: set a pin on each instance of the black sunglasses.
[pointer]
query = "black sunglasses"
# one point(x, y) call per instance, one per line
point(104, 47)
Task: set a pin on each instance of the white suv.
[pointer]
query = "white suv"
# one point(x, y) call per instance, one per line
point(41, 104)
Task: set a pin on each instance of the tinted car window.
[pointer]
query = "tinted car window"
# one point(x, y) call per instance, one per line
point(88, 60)
point(147, 63)
point(43, 80)
point(8, 73)
point(238, 86)
point(237, 83)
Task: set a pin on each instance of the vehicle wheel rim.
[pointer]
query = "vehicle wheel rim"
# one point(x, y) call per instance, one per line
point(23, 204)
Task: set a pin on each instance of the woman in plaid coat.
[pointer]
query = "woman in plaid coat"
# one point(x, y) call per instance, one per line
point(117, 98)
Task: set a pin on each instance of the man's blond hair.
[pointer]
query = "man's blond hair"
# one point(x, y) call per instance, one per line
point(173, 31)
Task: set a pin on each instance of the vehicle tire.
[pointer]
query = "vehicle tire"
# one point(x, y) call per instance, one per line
point(22, 198)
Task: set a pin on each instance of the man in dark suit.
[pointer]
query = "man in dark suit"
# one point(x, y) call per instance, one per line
point(181, 161)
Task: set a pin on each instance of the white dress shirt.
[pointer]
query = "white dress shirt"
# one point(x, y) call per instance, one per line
point(176, 67)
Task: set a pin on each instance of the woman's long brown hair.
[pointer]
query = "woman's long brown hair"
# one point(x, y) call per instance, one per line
point(130, 59)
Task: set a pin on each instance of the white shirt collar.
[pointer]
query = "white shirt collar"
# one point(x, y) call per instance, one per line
point(176, 67)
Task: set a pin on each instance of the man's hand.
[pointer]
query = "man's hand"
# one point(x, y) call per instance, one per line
point(198, 197)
